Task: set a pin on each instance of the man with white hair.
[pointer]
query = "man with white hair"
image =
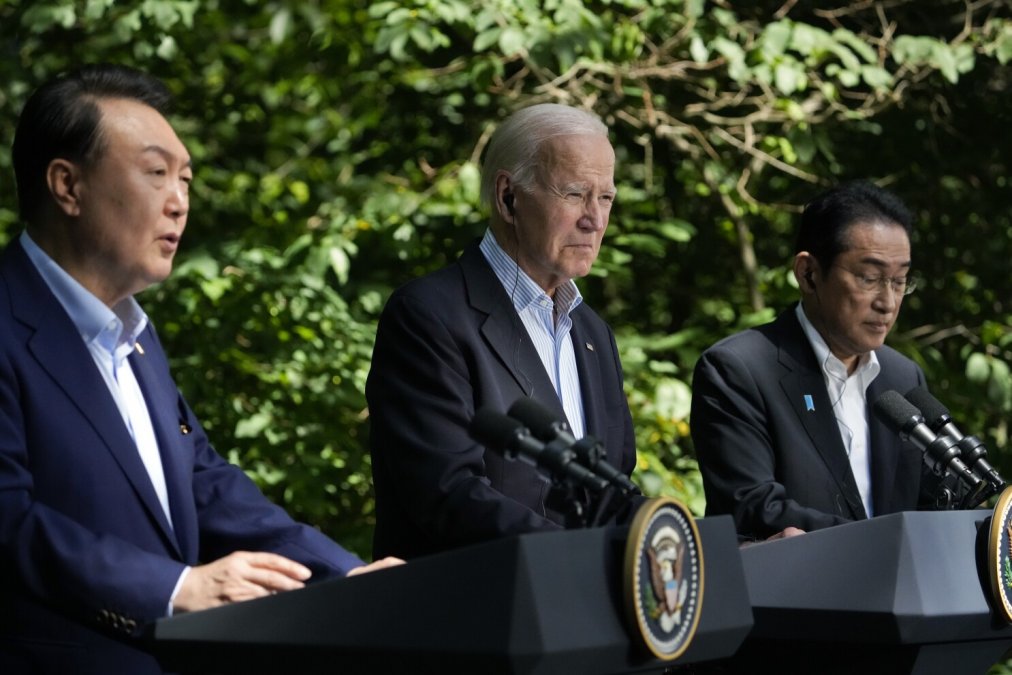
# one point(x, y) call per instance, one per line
point(504, 321)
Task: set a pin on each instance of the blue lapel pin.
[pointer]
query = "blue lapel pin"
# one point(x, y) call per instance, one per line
point(809, 403)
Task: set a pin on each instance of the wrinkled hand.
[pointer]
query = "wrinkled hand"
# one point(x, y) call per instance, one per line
point(236, 577)
point(377, 565)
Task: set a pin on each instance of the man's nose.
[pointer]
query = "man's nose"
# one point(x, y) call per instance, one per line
point(887, 299)
point(178, 204)
point(595, 215)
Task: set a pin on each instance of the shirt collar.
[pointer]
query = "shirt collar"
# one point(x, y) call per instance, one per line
point(867, 364)
point(523, 290)
point(110, 327)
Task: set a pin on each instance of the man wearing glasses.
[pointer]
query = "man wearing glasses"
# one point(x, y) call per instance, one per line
point(781, 413)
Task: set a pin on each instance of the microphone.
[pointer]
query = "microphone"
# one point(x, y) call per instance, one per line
point(589, 450)
point(514, 441)
point(972, 448)
point(940, 452)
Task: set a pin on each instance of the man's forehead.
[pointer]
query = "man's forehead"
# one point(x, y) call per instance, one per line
point(877, 243)
point(578, 158)
point(139, 125)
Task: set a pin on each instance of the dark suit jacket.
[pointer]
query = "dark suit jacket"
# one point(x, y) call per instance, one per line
point(449, 344)
point(772, 463)
point(87, 556)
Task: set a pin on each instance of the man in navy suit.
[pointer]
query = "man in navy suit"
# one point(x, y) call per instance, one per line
point(114, 509)
point(780, 413)
point(504, 321)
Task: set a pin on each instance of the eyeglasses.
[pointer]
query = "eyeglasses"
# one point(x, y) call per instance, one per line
point(898, 285)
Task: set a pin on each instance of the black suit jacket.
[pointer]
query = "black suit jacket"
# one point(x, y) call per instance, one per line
point(449, 344)
point(772, 463)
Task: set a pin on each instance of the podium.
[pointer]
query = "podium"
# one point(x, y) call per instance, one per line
point(895, 594)
point(541, 603)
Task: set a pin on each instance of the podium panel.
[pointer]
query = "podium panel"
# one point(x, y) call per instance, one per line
point(541, 603)
point(900, 593)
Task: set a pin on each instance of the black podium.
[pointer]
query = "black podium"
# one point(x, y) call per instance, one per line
point(895, 594)
point(537, 603)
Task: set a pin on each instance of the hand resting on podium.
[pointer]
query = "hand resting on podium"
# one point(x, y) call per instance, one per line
point(245, 575)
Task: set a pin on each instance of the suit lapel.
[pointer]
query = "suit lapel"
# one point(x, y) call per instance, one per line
point(60, 352)
point(805, 390)
point(502, 329)
point(164, 413)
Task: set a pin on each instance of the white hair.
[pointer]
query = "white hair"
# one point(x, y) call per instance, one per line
point(515, 144)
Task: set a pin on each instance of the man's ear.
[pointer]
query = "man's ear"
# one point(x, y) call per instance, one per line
point(63, 178)
point(504, 197)
point(806, 271)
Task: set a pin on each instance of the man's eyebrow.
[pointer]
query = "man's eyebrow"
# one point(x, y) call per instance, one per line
point(878, 262)
point(166, 154)
point(581, 186)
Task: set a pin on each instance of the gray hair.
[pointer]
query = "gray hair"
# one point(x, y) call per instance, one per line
point(515, 144)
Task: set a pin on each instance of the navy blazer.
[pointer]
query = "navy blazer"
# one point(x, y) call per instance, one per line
point(87, 555)
point(771, 462)
point(447, 345)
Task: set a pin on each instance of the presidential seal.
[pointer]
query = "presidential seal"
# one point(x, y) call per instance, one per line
point(999, 556)
point(663, 577)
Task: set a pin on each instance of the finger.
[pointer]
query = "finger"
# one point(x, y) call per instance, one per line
point(376, 565)
point(274, 562)
point(270, 580)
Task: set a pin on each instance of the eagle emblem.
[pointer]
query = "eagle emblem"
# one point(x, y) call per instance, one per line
point(667, 560)
point(664, 577)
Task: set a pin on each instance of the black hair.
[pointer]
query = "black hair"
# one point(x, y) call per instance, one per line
point(62, 120)
point(826, 220)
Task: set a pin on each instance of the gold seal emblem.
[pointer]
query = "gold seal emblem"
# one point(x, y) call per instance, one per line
point(999, 555)
point(664, 577)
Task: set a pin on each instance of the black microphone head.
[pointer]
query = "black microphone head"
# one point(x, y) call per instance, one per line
point(536, 417)
point(936, 414)
point(896, 412)
point(493, 429)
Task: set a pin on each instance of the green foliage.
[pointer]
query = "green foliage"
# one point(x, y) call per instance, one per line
point(337, 145)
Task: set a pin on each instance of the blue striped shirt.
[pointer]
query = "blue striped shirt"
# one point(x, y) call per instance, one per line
point(548, 325)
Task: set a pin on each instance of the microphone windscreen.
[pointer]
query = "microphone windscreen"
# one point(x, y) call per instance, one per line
point(534, 416)
point(492, 428)
point(931, 407)
point(894, 411)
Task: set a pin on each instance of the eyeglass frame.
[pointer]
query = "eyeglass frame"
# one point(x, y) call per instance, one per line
point(902, 286)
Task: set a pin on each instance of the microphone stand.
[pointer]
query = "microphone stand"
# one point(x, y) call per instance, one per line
point(602, 507)
point(568, 495)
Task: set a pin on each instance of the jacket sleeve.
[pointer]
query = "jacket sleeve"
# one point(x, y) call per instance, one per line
point(232, 513)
